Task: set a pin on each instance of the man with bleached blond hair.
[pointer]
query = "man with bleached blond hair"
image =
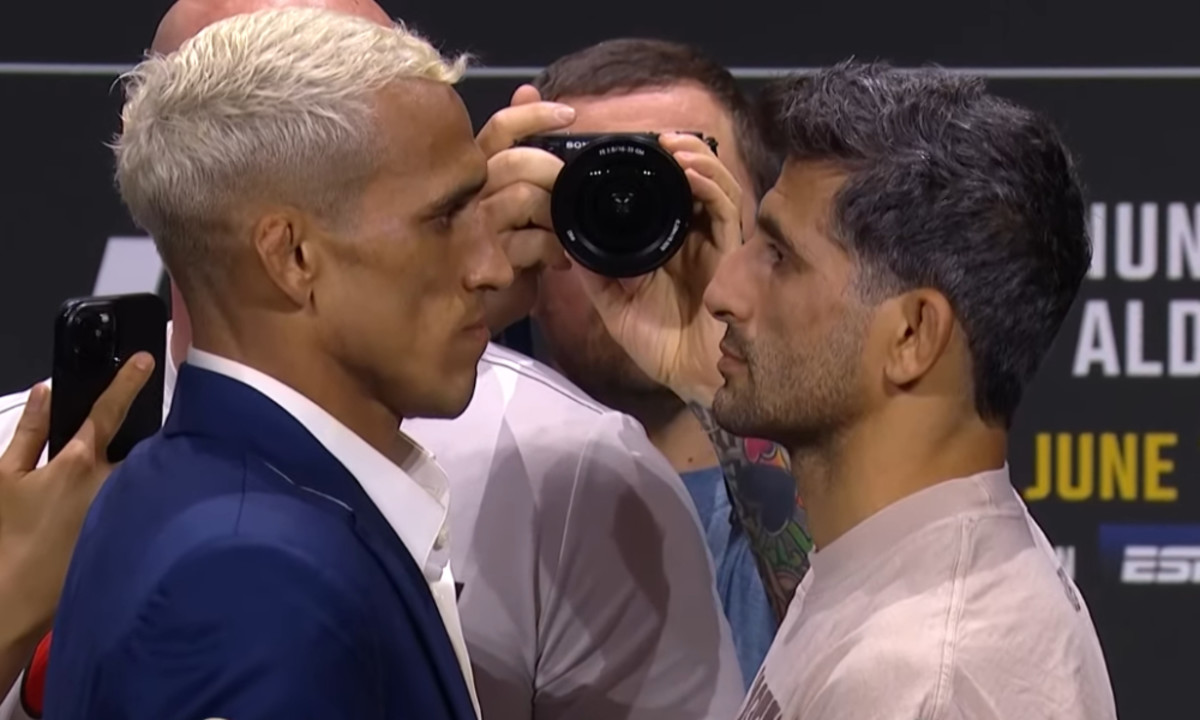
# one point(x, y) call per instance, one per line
point(279, 550)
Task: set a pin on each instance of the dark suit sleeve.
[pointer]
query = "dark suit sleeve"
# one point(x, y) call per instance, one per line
point(245, 632)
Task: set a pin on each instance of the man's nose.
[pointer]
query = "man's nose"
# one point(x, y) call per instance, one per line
point(729, 295)
point(490, 267)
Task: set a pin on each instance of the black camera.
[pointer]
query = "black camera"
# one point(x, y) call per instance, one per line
point(621, 205)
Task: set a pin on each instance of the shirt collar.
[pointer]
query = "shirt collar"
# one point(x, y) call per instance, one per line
point(853, 551)
point(412, 496)
point(170, 373)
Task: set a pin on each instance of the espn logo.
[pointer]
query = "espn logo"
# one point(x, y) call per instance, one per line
point(1151, 554)
point(1161, 565)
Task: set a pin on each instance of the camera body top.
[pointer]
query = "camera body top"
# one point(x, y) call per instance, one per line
point(621, 204)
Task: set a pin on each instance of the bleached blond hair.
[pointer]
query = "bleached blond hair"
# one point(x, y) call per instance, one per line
point(277, 105)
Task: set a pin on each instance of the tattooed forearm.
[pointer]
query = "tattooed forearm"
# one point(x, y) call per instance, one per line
point(763, 495)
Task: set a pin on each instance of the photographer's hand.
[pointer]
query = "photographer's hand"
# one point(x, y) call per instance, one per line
point(659, 318)
point(516, 199)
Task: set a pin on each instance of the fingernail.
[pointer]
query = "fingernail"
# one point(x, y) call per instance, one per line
point(37, 398)
point(564, 113)
point(143, 362)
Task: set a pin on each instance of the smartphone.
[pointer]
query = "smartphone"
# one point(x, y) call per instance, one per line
point(93, 338)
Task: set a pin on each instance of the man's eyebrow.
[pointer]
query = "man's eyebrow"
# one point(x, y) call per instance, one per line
point(771, 227)
point(457, 198)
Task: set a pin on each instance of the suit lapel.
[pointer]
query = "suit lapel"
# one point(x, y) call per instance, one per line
point(212, 405)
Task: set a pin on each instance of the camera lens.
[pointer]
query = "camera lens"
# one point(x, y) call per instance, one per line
point(96, 333)
point(622, 206)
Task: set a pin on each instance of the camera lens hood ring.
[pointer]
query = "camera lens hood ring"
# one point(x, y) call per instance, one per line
point(574, 236)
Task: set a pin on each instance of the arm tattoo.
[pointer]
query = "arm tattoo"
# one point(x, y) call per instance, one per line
point(763, 494)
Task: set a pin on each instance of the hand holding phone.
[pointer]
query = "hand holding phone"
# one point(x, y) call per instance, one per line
point(93, 338)
point(42, 509)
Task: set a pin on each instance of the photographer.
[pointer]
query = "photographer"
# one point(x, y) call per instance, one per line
point(639, 86)
point(624, 631)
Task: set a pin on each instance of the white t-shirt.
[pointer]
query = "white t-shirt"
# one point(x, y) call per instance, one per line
point(587, 591)
point(947, 605)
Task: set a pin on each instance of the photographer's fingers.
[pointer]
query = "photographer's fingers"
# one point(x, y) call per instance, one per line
point(514, 123)
point(714, 170)
point(691, 151)
point(724, 211)
point(521, 164)
point(532, 249)
point(29, 439)
point(518, 206)
point(524, 95)
point(711, 183)
point(677, 142)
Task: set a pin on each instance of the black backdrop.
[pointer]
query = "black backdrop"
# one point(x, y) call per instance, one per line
point(1107, 441)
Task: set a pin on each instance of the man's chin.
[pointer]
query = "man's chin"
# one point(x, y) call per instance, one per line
point(452, 400)
point(458, 402)
point(735, 411)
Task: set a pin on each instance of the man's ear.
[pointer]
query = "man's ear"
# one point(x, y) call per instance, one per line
point(923, 324)
point(283, 241)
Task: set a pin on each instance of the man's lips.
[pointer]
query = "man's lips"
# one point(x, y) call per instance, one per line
point(728, 352)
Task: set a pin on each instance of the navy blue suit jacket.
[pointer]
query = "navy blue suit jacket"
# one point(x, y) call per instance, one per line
point(232, 568)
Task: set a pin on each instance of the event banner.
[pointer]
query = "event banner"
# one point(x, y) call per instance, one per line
point(1106, 450)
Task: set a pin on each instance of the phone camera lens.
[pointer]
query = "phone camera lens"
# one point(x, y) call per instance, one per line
point(97, 336)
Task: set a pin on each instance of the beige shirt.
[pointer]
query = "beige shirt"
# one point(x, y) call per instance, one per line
point(947, 605)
